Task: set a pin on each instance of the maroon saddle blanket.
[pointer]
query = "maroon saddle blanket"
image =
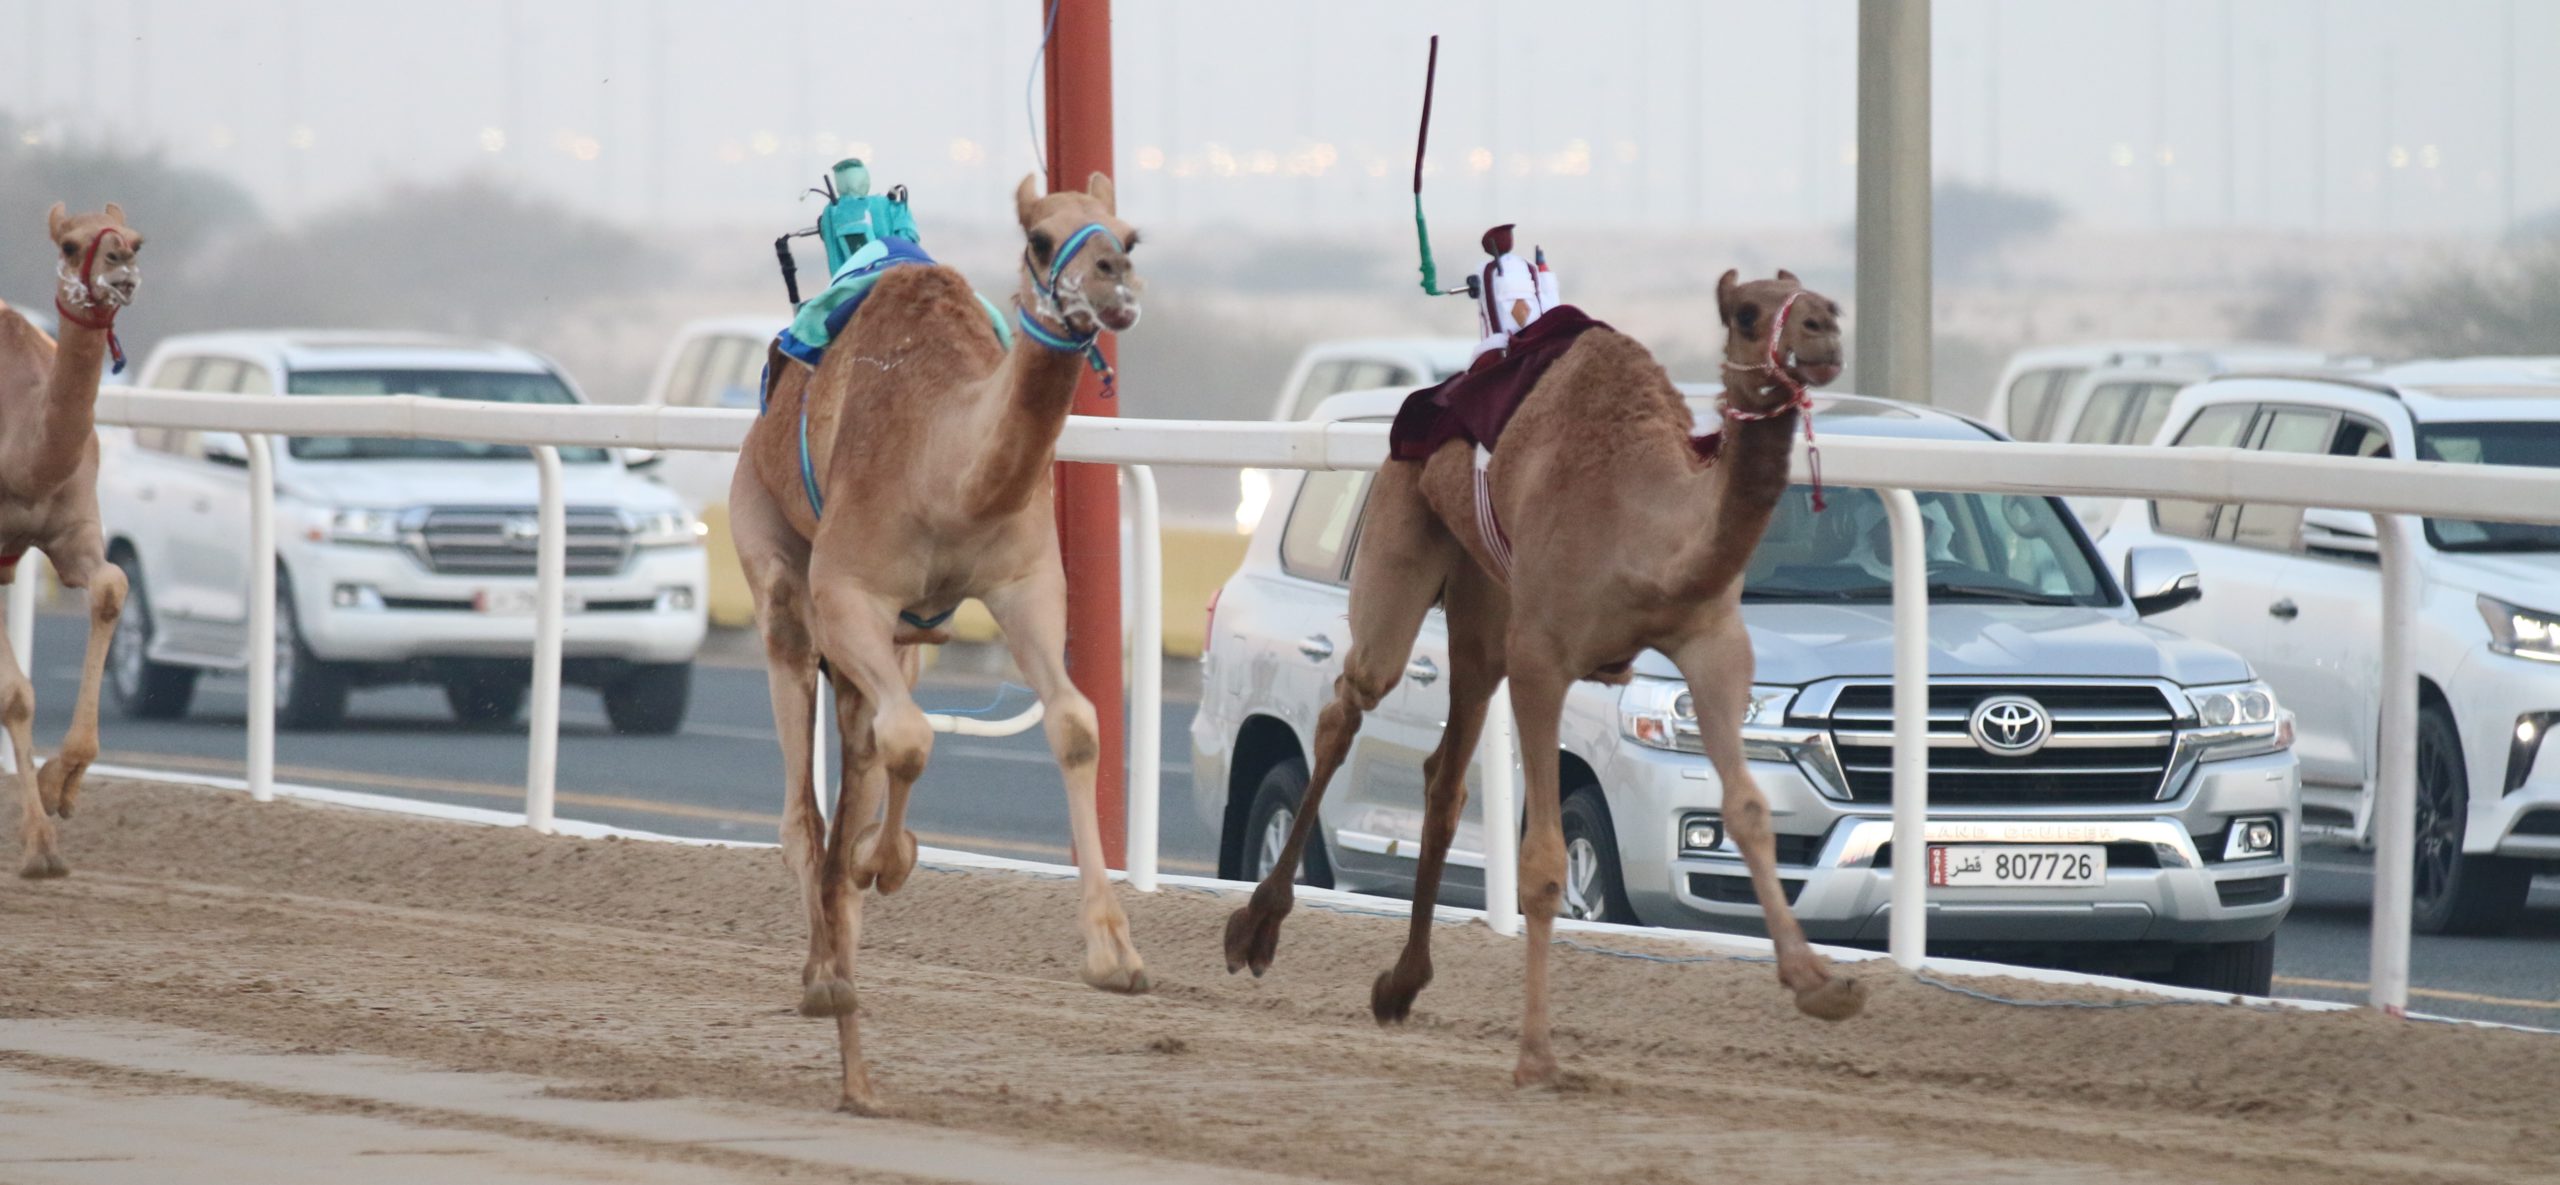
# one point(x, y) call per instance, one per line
point(1476, 402)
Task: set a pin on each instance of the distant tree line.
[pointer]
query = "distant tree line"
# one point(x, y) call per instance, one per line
point(466, 256)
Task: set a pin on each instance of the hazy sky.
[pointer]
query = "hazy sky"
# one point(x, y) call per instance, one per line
point(2349, 116)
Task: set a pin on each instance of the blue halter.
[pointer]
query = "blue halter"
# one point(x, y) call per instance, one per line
point(1090, 344)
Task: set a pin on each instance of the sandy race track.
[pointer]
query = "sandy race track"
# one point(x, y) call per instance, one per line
point(623, 970)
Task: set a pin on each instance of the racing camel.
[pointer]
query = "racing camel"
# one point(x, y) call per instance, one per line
point(49, 497)
point(1598, 529)
point(909, 471)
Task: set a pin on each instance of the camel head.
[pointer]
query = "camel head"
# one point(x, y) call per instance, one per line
point(94, 255)
point(1807, 352)
point(1094, 287)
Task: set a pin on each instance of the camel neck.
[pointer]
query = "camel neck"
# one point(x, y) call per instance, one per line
point(1738, 493)
point(1039, 390)
point(70, 406)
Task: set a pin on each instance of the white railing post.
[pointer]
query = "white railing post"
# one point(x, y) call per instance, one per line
point(1501, 754)
point(1146, 682)
point(551, 562)
point(822, 711)
point(262, 618)
point(22, 642)
point(2395, 802)
point(1908, 924)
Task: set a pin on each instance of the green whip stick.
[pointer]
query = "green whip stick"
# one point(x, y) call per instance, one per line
point(1422, 230)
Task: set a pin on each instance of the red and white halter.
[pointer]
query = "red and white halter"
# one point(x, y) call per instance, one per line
point(96, 311)
point(1798, 399)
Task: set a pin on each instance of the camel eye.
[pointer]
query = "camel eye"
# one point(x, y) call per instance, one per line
point(70, 249)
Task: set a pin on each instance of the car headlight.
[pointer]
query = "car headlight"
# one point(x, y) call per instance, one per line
point(2239, 720)
point(377, 527)
point(668, 528)
point(2521, 632)
point(1659, 714)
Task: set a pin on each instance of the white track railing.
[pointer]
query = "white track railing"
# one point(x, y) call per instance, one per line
point(2387, 489)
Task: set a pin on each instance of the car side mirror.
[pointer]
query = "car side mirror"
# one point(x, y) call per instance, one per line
point(641, 460)
point(224, 448)
point(2161, 578)
point(2347, 532)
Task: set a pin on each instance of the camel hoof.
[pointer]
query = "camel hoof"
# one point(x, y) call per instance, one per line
point(827, 997)
point(1391, 996)
point(892, 870)
point(1534, 1070)
point(1130, 980)
point(1837, 998)
point(44, 866)
point(1253, 937)
point(864, 1105)
point(58, 785)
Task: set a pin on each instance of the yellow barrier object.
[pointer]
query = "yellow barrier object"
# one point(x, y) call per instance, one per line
point(730, 602)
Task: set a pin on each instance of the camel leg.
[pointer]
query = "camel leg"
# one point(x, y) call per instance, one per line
point(18, 715)
point(1538, 684)
point(1717, 665)
point(791, 668)
point(855, 634)
point(1405, 558)
point(59, 783)
point(885, 852)
point(1033, 615)
point(859, 792)
point(1477, 623)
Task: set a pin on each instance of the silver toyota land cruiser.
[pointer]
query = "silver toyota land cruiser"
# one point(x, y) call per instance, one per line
point(2102, 793)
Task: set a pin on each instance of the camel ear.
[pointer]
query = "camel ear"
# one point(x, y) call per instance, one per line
point(53, 220)
point(1788, 276)
point(1724, 294)
point(115, 213)
point(1099, 187)
point(1026, 200)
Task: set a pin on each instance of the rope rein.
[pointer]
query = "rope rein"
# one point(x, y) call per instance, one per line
point(1798, 398)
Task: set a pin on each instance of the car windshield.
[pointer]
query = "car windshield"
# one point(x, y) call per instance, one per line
point(494, 386)
point(1983, 548)
point(2491, 444)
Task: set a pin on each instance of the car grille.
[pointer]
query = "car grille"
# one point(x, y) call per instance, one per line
point(499, 541)
point(2111, 743)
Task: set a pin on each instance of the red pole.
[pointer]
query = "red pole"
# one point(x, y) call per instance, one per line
point(1077, 71)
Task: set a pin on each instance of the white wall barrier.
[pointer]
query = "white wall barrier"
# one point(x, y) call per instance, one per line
point(2387, 489)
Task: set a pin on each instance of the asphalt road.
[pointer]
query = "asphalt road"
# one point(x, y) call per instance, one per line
point(721, 778)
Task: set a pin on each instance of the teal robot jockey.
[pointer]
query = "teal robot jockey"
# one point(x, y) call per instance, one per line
point(864, 234)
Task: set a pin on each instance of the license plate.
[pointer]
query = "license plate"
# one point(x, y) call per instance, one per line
point(2009, 866)
point(516, 602)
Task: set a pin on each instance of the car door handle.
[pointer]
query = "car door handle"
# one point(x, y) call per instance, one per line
point(1316, 647)
point(1422, 671)
point(2284, 610)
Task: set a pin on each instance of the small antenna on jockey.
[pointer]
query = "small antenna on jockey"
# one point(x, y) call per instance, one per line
point(1422, 141)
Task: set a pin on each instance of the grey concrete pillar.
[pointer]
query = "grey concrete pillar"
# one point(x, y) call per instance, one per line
point(1891, 322)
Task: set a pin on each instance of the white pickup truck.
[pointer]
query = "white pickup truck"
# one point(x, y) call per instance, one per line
point(1330, 368)
point(399, 561)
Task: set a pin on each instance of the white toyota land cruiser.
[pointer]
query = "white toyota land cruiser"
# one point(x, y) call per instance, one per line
point(400, 561)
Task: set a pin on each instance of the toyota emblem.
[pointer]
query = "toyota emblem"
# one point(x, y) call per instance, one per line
point(522, 533)
point(2010, 725)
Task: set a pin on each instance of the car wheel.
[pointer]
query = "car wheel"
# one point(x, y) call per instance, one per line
point(2240, 968)
point(1266, 826)
point(1595, 889)
point(650, 700)
point(310, 694)
point(143, 689)
point(2455, 892)
point(486, 700)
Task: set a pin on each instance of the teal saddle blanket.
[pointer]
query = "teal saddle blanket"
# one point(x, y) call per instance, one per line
point(824, 316)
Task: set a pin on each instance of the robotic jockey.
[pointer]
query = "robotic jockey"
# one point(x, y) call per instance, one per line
point(1513, 291)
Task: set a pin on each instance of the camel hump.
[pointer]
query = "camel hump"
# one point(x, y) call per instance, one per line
point(934, 300)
